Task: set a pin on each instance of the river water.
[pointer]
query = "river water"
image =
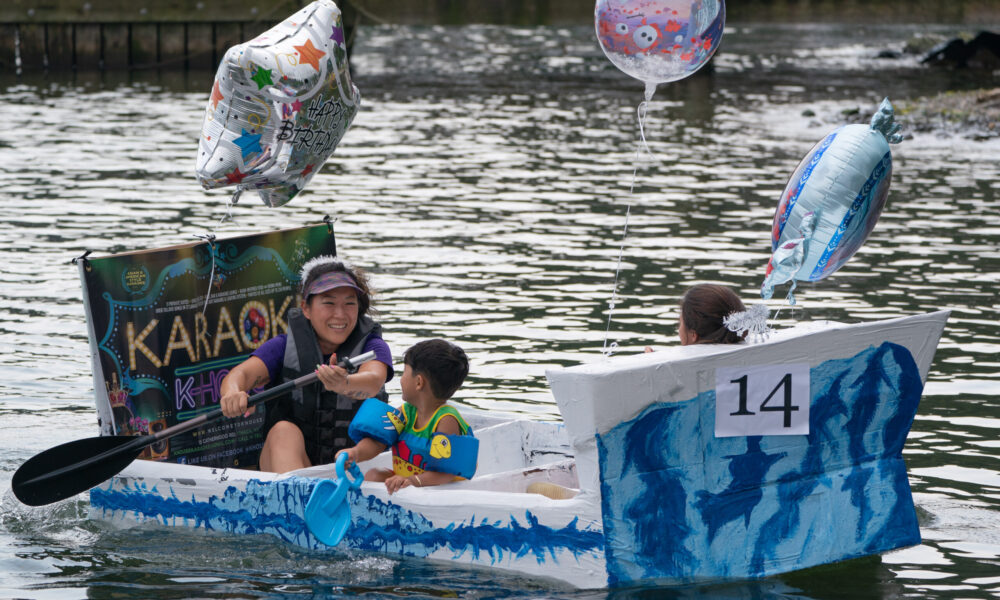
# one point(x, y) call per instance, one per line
point(485, 186)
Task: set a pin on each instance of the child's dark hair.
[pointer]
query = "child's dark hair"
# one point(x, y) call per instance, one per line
point(704, 306)
point(444, 364)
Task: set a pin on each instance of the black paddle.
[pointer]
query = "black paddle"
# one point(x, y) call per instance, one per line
point(74, 467)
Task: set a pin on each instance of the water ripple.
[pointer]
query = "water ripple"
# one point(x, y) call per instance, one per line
point(485, 184)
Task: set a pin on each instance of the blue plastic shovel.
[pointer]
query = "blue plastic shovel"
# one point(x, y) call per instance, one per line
point(328, 513)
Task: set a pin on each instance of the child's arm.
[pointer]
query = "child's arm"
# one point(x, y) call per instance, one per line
point(366, 449)
point(427, 478)
point(449, 425)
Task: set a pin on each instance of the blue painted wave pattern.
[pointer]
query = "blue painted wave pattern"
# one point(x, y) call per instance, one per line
point(682, 505)
point(386, 527)
point(277, 507)
point(261, 507)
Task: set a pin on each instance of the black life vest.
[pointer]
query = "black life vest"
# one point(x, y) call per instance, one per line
point(321, 415)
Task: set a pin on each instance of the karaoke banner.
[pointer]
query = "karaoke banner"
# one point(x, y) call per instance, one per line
point(166, 325)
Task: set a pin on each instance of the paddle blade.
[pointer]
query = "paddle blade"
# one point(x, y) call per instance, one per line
point(66, 470)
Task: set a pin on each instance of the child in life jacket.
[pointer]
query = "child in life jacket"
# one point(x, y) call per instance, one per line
point(431, 442)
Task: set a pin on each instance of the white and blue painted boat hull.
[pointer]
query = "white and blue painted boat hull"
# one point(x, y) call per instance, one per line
point(658, 498)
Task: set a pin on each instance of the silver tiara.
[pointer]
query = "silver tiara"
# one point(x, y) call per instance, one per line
point(752, 321)
point(322, 259)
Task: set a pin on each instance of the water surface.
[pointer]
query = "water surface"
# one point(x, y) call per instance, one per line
point(485, 185)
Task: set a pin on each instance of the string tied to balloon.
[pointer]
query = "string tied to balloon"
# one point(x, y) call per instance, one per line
point(641, 110)
point(654, 41)
point(228, 217)
point(640, 113)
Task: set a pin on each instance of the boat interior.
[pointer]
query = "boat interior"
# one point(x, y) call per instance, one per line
point(515, 455)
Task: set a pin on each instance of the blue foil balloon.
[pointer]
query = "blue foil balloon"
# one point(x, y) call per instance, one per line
point(832, 202)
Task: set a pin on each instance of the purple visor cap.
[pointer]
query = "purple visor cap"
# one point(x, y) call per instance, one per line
point(332, 280)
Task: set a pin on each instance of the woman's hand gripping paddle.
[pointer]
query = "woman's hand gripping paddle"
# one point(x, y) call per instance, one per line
point(74, 467)
point(328, 513)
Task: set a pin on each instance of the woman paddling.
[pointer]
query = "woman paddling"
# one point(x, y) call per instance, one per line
point(310, 426)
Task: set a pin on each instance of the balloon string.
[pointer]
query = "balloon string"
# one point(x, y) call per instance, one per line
point(228, 217)
point(640, 113)
point(210, 240)
point(641, 116)
point(614, 291)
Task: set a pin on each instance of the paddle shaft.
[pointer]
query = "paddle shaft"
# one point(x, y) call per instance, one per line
point(215, 414)
point(136, 445)
point(351, 364)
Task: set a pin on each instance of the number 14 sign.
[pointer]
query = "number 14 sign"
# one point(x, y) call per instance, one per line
point(762, 400)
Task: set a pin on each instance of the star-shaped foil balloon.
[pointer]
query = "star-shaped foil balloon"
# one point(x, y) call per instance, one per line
point(279, 106)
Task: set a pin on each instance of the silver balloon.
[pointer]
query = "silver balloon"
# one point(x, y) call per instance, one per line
point(279, 106)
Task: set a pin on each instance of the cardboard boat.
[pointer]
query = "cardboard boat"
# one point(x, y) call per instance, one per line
point(697, 463)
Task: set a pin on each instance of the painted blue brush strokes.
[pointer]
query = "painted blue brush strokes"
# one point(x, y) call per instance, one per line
point(277, 507)
point(261, 507)
point(678, 504)
point(681, 505)
point(386, 527)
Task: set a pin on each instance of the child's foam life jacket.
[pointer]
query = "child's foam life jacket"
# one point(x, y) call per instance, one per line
point(415, 451)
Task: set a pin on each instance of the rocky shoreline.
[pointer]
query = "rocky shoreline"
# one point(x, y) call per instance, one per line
point(972, 114)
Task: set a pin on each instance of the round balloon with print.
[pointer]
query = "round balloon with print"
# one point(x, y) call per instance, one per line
point(658, 41)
